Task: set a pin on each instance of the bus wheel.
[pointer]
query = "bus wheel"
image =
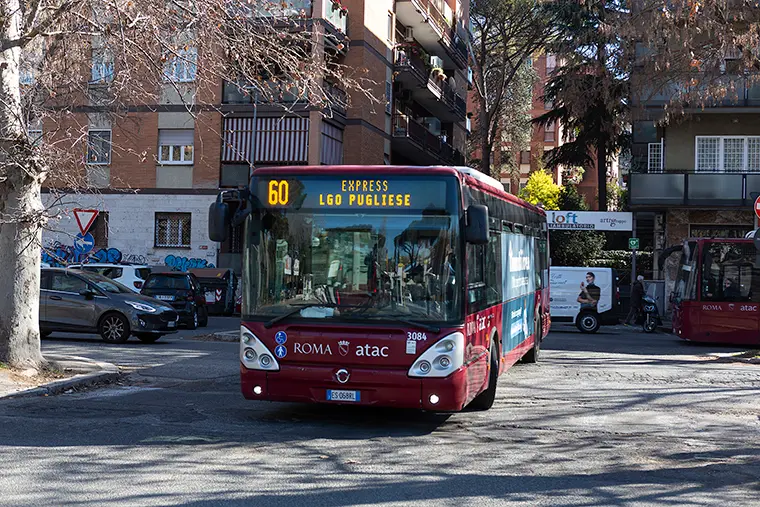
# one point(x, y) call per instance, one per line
point(532, 355)
point(485, 400)
point(588, 322)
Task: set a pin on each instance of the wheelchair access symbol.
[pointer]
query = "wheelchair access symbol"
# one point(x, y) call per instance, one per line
point(281, 337)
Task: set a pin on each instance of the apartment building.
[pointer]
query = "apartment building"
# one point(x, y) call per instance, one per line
point(159, 169)
point(542, 139)
point(697, 176)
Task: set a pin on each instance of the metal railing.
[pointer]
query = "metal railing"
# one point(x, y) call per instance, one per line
point(690, 188)
point(406, 59)
point(338, 98)
point(642, 168)
point(741, 91)
point(405, 126)
point(285, 9)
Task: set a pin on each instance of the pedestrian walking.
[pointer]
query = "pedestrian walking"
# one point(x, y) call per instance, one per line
point(637, 296)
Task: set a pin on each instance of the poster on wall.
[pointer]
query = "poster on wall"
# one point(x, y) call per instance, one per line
point(575, 289)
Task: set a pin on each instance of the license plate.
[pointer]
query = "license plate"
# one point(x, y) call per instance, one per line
point(165, 298)
point(172, 324)
point(210, 297)
point(343, 395)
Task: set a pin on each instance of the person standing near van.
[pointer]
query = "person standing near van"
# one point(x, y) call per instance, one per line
point(637, 297)
point(590, 293)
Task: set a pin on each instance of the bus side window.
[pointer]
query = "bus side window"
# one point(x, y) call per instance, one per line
point(494, 265)
point(484, 268)
point(475, 276)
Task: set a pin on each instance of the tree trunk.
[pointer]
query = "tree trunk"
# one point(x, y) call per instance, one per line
point(20, 206)
point(484, 127)
point(601, 171)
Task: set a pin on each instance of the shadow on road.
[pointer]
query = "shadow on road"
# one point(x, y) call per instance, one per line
point(630, 340)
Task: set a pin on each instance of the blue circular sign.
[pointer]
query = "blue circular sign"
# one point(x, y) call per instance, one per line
point(280, 351)
point(281, 337)
point(84, 244)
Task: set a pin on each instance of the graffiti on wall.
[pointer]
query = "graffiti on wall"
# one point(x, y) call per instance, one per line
point(59, 255)
point(183, 263)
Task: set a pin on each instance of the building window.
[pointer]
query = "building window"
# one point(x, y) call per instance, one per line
point(708, 154)
point(173, 230)
point(99, 147)
point(507, 185)
point(654, 164)
point(525, 157)
point(181, 66)
point(391, 24)
point(102, 66)
point(549, 133)
point(753, 154)
point(468, 124)
point(175, 146)
point(731, 154)
point(523, 185)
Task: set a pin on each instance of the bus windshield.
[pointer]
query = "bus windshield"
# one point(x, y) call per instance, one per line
point(353, 264)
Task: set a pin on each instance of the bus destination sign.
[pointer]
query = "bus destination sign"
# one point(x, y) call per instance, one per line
point(352, 193)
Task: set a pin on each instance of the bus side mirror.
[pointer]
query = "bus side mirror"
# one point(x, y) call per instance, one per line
point(476, 231)
point(218, 221)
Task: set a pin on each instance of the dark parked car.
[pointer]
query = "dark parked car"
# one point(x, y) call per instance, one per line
point(182, 291)
point(76, 301)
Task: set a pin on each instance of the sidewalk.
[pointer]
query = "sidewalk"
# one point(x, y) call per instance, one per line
point(66, 373)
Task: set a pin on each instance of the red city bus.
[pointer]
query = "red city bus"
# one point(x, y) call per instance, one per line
point(392, 286)
point(717, 292)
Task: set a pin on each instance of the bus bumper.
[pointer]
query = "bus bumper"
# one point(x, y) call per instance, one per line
point(386, 388)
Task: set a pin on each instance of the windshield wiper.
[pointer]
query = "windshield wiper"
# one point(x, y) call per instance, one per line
point(297, 310)
point(413, 323)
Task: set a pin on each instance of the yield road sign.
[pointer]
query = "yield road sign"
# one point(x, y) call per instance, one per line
point(633, 243)
point(85, 219)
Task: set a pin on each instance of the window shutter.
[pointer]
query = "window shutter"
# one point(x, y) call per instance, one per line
point(176, 137)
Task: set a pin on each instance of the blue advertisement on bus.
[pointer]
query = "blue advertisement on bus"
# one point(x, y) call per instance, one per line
point(518, 286)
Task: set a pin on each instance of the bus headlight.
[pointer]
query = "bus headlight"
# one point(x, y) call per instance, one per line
point(255, 355)
point(442, 359)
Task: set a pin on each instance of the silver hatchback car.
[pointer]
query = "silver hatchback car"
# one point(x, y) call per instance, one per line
point(76, 301)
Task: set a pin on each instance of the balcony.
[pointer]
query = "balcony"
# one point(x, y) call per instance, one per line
point(298, 14)
point(338, 100)
point(336, 14)
point(265, 92)
point(415, 142)
point(286, 9)
point(434, 26)
point(435, 95)
point(741, 92)
point(693, 189)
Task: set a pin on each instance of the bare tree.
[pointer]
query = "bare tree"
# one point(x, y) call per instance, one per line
point(695, 52)
point(48, 77)
point(506, 33)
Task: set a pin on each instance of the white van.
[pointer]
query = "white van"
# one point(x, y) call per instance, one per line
point(588, 297)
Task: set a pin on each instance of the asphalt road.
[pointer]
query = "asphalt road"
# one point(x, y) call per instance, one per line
point(619, 418)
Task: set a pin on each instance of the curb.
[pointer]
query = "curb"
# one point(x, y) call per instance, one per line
point(108, 373)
